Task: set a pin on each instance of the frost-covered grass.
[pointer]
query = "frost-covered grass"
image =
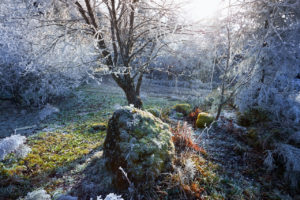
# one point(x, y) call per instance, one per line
point(65, 143)
point(63, 150)
point(52, 154)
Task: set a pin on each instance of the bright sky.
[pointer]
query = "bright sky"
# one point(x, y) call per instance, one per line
point(199, 9)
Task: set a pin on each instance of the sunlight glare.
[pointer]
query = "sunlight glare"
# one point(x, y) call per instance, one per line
point(200, 9)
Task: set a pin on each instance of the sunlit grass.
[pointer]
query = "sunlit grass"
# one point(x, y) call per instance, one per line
point(51, 153)
point(69, 142)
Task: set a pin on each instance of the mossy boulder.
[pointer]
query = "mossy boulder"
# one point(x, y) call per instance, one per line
point(185, 108)
point(203, 120)
point(141, 144)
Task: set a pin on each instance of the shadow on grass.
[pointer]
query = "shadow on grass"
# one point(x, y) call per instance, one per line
point(96, 181)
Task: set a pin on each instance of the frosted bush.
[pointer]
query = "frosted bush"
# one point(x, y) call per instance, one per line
point(295, 138)
point(38, 195)
point(278, 94)
point(22, 151)
point(14, 143)
point(47, 110)
point(186, 174)
point(274, 85)
point(190, 168)
point(111, 196)
point(291, 158)
point(33, 71)
point(269, 161)
point(35, 86)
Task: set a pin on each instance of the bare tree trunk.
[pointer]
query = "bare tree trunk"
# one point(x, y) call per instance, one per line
point(139, 84)
point(127, 84)
point(223, 100)
point(133, 98)
point(219, 111)
point(132, 95)
point(220, 106)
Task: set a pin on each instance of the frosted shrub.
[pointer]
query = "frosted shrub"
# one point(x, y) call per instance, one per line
point(291, 157)
point(22, 151)
point(14, 143)
point(33, 72)
point(269, 161)
point(33, 87)
point(190, 168)
point(111, 196)
point(274, 85)
point(271, 96)
point(47, 110)
point(38, 195)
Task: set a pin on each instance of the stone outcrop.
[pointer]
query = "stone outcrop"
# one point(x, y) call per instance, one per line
point(140, 144)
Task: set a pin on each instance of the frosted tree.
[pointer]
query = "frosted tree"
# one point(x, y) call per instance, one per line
point(255, 47)
point(234, 52)
point(135, 30)
point(33, 72)
point(275, 85)
point(86, 36)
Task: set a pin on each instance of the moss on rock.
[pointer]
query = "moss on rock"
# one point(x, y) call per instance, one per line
point(185, 108)
point(96, 127)
point(154, 112)
point(141, 144)
point(204, 119)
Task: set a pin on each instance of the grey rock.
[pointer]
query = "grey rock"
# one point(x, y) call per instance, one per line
point(141, 144)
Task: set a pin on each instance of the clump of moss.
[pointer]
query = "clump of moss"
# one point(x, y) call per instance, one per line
point(97, 127)
point(165, 114)
point(185, 108)
point(203, 120)
point(253, 116)
point(154, 112)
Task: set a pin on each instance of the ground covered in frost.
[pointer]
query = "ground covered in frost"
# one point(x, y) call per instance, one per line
point(66, 149)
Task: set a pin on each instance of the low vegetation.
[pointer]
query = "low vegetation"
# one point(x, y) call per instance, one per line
point(60, 154)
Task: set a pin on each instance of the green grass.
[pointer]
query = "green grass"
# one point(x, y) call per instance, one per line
point(61, 154)
point(68, 144)
point(51, 153)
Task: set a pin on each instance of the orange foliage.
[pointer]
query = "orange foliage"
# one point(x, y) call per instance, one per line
point(193, 191)
point(182, 138)
point(197, 189)
point(192, 117)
